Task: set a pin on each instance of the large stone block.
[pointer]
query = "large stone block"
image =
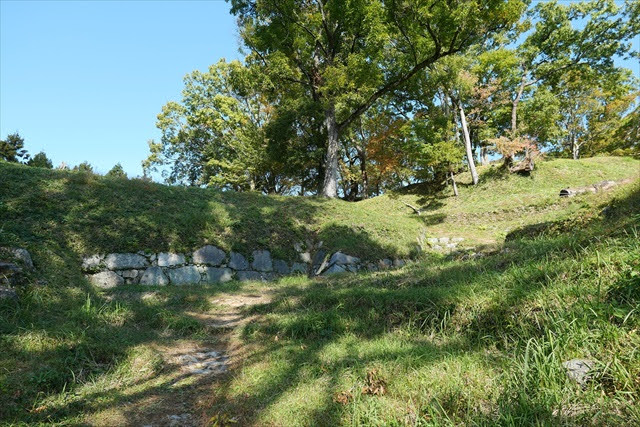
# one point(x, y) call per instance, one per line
point(244, 276)
point(92, 263)
point(299, 268)
point(154, 276)
point(262, 261)
point(105, 279)
point(334, 269)
point(125, 261)
point(237, 261)
point(281, 267)
point(169, 259)
point(217, 275)
point(209, 255)
point(343, 259)
point(188, 275)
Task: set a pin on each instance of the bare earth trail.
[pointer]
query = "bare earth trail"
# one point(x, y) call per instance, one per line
point(192, 369)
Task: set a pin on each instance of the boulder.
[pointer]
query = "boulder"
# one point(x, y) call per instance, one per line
point(209, 255)
point(125, 261)
point(343, 259)
point(262, 261)
point(154, 276)
point(305, 257)
point(334, 269)
point(443, 240)
point(188, 275)
point(169, 259)
point(92, 263)
point(8, 294)
point(244, 276)
point(432, 240)
point(299, 268)
point(130, 276)
point(384, 264)
point(217, 275)
point(578, 370)
point(237, 261)
point(10, 274)
point(105, 279)
point(23, 256)
point(281, 267)
point(398, 263)
point(19, 255)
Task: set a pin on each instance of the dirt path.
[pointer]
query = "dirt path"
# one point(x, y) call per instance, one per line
point(191, 369)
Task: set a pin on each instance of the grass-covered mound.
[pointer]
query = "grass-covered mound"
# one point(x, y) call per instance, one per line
point(81, 213)
point(436, 343)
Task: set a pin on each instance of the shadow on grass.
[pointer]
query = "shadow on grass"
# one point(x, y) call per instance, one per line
point(58, 338)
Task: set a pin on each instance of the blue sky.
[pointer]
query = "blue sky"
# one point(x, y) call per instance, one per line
point(86, 80)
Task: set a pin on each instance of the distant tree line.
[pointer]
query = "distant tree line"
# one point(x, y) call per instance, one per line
point(12, 150)
point(351, 98)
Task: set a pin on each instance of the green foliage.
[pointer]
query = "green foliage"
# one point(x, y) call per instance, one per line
point(216, 135)
point(12, 149)
point(40, 160)
point(84, 167)
point(117, 172)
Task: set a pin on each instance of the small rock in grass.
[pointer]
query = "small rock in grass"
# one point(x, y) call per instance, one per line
point(8, 293)
point(578, 370)
point(105, 279)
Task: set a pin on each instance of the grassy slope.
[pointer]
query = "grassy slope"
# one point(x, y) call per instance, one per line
point(456, 342)
point(85, 214)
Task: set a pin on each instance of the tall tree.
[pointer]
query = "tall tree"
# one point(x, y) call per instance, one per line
point(40, 160)
point(12, 148)
point(347, 54)
point(117, 172)
point(216, 135)
point(568, 36)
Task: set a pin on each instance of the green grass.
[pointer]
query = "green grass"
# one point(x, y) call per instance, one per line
point(476, 342)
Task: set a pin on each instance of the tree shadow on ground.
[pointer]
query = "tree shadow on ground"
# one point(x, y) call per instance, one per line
point(80, 342)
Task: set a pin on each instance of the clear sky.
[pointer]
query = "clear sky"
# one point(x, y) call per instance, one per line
point(86, 80)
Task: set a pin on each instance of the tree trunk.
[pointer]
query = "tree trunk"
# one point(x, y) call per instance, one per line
point(484, 157)
point(330, 184)
point(514, 108)
point(453, 184)
point(575, 148)
point(362, 156)
point(467, 145)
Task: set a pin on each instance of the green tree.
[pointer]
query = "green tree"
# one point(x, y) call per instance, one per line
point(84, 167)
point(40, 160)
point(12, 149)
point(216, 135)
point(347, 54)
point(117, 172)
point(565, 37)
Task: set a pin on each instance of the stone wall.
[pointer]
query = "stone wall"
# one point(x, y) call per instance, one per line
point(209, 265)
